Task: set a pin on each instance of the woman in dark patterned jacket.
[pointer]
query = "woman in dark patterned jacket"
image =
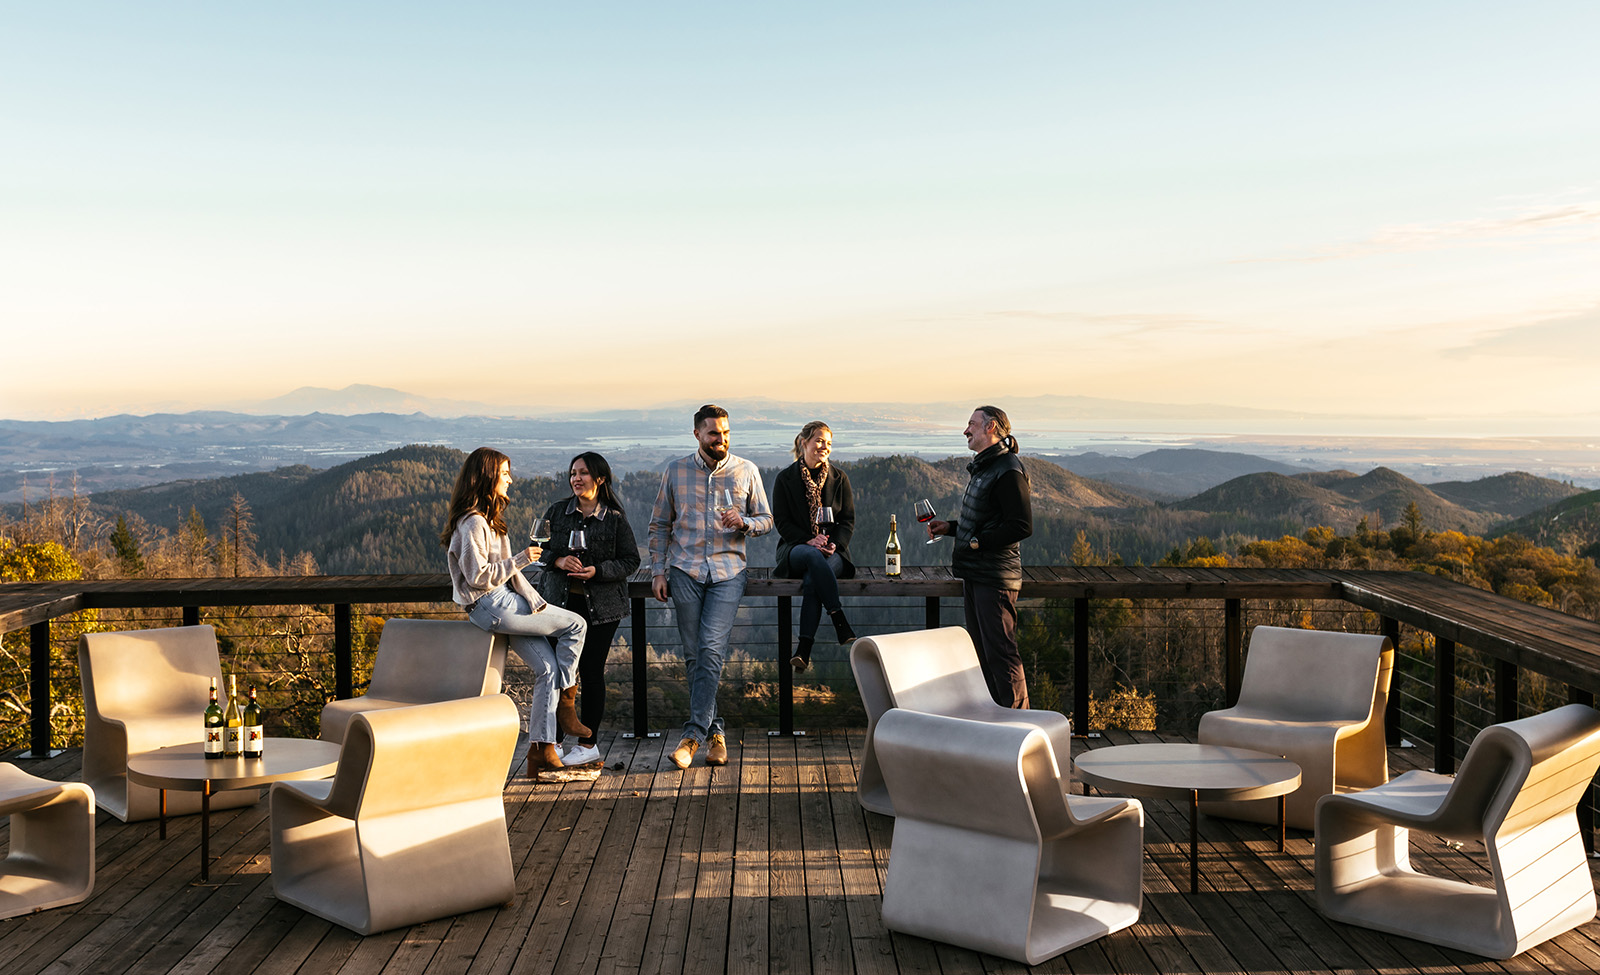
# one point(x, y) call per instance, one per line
point(595, 586)
point(806, 550)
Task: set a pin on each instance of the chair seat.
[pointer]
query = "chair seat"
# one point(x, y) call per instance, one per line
point(51, 857)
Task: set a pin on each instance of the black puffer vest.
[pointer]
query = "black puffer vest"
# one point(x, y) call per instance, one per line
point(1001, 567)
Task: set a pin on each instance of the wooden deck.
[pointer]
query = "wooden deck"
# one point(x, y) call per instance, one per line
point(765, 866)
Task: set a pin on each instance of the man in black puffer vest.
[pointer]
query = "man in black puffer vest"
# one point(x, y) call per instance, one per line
point(996, 514)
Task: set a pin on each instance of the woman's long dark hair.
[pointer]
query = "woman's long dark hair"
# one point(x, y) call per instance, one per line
point(601, 472)
point(474, 492)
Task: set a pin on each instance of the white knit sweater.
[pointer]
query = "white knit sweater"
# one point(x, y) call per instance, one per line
point(481, 560)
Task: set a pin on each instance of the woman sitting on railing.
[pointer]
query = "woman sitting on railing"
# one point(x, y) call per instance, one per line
point(810, 547)
point(593, 584)
point(486, 579)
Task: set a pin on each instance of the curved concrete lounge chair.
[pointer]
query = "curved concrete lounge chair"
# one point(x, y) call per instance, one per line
point(51, 860)
point(1517, 792)
point(1316, 697)
point(990, 852)
point(421, 662)
point(411, 827)
point(143, 690)
point(937, 672)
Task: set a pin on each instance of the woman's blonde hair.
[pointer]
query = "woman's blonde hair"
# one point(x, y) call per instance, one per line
point(806, 433)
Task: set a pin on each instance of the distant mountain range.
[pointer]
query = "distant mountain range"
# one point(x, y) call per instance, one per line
point(382, 513)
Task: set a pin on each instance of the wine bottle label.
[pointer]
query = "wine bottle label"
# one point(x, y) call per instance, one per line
point(213, 741)
point(891, 565)
point(252, 739)
point(235, 737)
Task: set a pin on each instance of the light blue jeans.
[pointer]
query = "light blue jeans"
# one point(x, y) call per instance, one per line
point(705, 612)
point(549, 642)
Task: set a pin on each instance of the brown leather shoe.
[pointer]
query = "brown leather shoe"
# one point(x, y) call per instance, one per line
point(543, 757)
point(717, 754)
point(567, 714)
point(683, 755)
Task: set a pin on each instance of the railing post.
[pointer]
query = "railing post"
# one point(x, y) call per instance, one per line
point(39, 690)
point(1576, 695)
point(930, 613)
point(785, 672)
point(191, 616)
point(344, 681)
point(1390, 627)
point(1444, 706)
point(1505, 691)
point(641, 674)
point(1232, 650)
point(1080, 667)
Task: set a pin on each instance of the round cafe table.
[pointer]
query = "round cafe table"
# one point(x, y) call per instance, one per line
point(186, 768)
point(1193, 772)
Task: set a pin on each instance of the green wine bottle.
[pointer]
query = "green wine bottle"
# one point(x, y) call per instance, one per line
point(254, 734)
point(214, 725)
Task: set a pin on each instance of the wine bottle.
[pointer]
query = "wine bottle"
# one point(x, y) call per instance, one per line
point(233, 737)
point(891, 552)
point(254, 734)
point(214, 725)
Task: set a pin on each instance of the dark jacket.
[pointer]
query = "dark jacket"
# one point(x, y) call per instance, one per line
point(613, 552)
point(997, 513)
point(792, 515)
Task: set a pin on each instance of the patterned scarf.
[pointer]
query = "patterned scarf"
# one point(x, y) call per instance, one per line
point(813, 494)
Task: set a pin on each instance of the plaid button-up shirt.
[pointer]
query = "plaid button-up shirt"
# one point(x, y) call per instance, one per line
point(684, 530)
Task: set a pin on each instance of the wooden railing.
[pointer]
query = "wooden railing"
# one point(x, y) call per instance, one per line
point(1517, 636)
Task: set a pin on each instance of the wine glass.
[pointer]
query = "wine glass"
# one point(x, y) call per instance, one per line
point(578, 542)
point(721, 500)
point(925, 513)
point(825, 517)
point(539, 534)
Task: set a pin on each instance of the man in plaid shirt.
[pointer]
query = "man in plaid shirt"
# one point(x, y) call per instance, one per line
point(697, 535)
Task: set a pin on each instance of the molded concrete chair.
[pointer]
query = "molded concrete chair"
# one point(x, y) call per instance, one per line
point(937, 672)
point(411, 827)
point(990, 852)
point(421, 662)
point(1518, 792)
point(1316, 697)
point(51, 860)
point(143, 690)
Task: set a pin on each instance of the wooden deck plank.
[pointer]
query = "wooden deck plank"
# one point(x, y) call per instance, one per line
point(720, 870)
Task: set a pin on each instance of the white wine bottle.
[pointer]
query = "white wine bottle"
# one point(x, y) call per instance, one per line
point(233, 736)
point(254, 734)
point(214, 725)
point(891, 552)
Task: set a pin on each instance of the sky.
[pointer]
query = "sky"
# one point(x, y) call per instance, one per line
point(1367, 208)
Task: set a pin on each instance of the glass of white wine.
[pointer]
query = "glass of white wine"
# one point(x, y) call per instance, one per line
point(721, 501)
point(539, 534)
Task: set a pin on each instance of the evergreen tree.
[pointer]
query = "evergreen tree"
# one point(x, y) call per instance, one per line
point(126, 548)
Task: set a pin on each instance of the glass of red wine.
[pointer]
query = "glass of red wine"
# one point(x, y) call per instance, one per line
point(578, 543)
point(925, 514)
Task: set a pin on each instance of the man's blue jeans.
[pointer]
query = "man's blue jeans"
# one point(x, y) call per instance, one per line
point(705, 612)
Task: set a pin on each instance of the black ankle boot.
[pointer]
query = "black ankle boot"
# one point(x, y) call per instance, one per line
point(802, 655)
point(841, 627)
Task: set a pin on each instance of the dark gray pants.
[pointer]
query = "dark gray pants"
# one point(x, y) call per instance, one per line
point(992, 622)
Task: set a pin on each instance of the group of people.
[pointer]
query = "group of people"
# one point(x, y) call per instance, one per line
point(709, 504)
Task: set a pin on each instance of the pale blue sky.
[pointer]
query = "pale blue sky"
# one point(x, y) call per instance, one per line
point(1365, 207)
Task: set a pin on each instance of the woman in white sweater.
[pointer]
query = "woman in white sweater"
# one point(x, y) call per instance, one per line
point(486, 576)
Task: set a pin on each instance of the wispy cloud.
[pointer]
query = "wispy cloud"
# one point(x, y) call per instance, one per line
point(1568, 337)
point(1578, 220)
point(1127, 324)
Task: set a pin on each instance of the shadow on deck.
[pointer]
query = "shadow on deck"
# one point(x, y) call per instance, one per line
point(765, 866)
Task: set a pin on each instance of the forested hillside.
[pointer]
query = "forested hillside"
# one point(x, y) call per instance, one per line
point(383, 513)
